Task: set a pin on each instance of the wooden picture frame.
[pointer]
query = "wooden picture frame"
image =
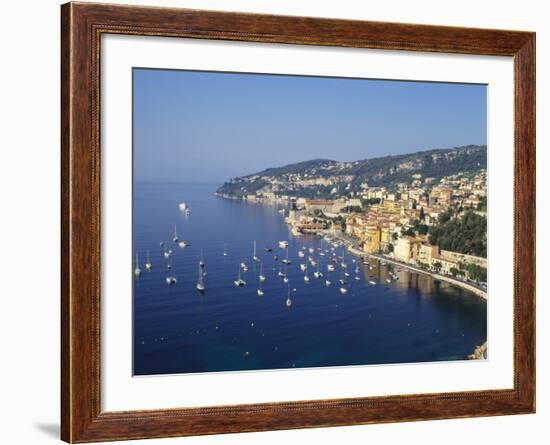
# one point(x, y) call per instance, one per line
point(82, 25)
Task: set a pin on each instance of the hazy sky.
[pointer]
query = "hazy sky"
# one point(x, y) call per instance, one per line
point(194, 126)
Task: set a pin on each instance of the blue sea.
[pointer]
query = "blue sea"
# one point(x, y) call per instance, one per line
point(415, 318)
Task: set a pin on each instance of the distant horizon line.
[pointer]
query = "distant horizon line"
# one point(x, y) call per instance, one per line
point(217, 182)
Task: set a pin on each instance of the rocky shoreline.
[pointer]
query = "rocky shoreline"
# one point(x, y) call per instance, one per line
point(480, 353)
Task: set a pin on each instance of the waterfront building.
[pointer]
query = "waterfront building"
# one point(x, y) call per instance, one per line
point(444, 265)
point(404, 248)
point(461, 258)
point(385, 238)
point(426, 253)
point(371, 239)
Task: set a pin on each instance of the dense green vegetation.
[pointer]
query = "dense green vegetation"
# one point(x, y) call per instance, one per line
point(475, 272)
point(464, 233)
point(384, 172)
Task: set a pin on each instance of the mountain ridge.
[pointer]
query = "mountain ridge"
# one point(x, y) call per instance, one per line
point(325, 177)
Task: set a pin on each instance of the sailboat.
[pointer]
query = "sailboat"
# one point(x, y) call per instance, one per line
point(306, 277)
point(200, 284)
point(224, 249)
point(201, 262)
point(301, 253)
point(175, 239)
point(244, 267)
point(327, 281)
point(342, 279)
point(318, 273)
point(330, 267)
point(182, 244)
point(148, 264)
point(137, 270)
point(343, 289)
point(259, 291)
point(280, 273)
point(343, 264)
point(261, 276)
point(286, 260)
point(167, 253)
point(239, 281)
point(288, 300)
point(170, 279)
point(255, 258)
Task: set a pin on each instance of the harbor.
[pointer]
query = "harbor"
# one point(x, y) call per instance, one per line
point(253, 295)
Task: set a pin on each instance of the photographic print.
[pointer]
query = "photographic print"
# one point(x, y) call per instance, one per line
point(285, 221)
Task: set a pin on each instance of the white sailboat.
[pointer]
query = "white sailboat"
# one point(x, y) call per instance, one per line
point(224, 249)
point(244, 266)
point(137, 270)
point(175, 238)
point(201, 261)
point(306, 277)
point(327, 281)
point(318, 273)
point(288, 300)
point(148, 264)
point(200, 284)
point(343, 289)
point(259, 291)
point(286, 260)
point(301, 253)
point(239, 281)
point(170, 279)
point(343, 264)
point(261, 277)
point(255, 257)
point(182, 244)
point(342, 279)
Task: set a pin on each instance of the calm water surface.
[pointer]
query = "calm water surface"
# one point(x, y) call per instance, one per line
point(178, 330)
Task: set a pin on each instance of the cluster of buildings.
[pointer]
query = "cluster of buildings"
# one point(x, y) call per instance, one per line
point(381, 221)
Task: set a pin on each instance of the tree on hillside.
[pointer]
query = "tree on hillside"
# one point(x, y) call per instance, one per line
point(467, 234)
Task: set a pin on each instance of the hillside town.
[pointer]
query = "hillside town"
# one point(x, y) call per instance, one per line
point(438, 225)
